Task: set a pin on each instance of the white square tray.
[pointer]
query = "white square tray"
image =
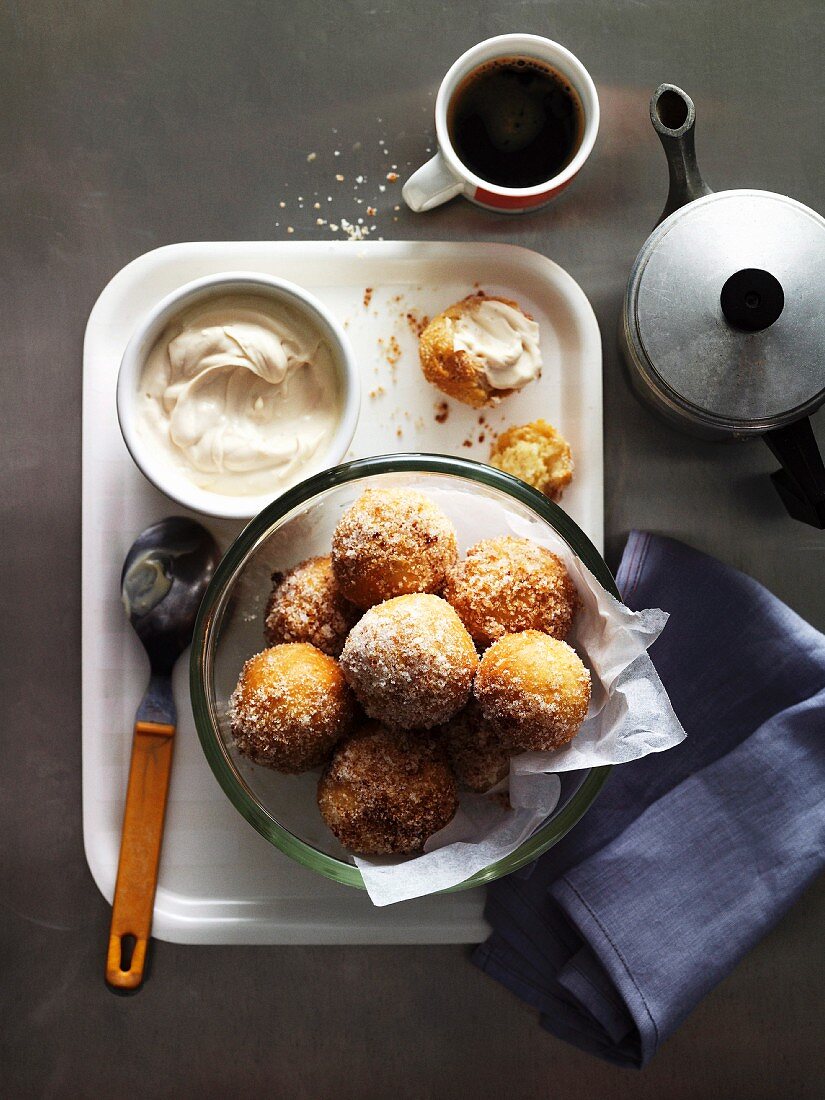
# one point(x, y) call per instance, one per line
point(220, 882)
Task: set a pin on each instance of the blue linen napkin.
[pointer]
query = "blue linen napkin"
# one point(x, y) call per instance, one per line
point(688, 857)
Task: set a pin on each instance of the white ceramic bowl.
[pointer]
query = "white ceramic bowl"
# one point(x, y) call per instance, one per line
point(155, 464)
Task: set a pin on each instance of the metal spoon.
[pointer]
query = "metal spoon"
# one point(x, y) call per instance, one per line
point(162, 584)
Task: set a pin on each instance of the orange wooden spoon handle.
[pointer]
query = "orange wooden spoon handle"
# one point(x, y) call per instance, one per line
point(137, 872)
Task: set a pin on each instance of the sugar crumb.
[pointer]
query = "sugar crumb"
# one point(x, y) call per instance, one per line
point(393, 351)
point(354, 232)
point(417, 323)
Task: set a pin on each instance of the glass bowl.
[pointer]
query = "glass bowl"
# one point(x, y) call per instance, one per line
point(229, 629)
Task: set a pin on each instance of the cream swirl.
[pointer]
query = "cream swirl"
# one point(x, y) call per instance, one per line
point(239, 397)
point(502, 339)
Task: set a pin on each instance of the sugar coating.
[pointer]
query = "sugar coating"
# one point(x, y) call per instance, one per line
point(290, 706)
point(474, 749)
point(385, 791)
point(534, 691)
point(410, 662)
point(506, 585)
point(306, 605)
point(391, 542)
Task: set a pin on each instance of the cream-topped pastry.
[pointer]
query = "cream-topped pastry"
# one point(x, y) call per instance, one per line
point(481, 350)
point(240, 393)
point(504, 339)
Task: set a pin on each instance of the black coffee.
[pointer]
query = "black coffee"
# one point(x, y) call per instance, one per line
point(515, 122)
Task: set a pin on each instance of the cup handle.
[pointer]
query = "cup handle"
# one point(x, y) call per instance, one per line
point(433, 183)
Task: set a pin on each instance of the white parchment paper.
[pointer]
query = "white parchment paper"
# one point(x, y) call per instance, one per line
point(629, 716)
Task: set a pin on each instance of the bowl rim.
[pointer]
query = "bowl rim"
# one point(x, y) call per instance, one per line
point(305, 854)
point(150, 461)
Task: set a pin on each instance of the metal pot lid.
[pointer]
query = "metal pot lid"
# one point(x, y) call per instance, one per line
point(728, 302)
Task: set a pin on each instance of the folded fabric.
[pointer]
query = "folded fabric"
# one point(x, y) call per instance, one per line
point(688, 857)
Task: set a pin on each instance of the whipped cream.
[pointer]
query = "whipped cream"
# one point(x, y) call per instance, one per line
point(240, 393)
point(505, 342)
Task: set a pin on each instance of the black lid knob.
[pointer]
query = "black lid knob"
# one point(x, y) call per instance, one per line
point(752, 299)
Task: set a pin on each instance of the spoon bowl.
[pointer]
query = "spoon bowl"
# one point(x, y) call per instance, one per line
point(165, 574)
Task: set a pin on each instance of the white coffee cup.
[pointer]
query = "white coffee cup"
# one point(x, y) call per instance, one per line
point(444, 176)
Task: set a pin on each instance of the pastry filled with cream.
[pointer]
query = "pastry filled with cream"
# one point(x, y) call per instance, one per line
point(480, 350)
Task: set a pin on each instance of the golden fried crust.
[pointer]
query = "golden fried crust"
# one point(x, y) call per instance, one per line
point(474, 750)
point(534, 691)
point(290, 706)
point(508, 584)
point(389, 543)
point(306, 605)
point(410, 662)
point(386, 792)
point(537, 454)
point(458, 373)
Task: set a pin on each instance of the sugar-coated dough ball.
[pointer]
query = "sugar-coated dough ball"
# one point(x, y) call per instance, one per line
point(306, 605)
point(385, 792)
point(389, 543)
point(475, 750)
point(410, 661)
point(290, 706)
point(534, 690)
point(508, 584)
point(536, 453)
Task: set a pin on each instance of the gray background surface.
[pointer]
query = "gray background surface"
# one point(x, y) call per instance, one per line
point(127, 126)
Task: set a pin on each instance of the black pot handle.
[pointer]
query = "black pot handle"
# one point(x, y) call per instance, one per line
point(801, 481)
